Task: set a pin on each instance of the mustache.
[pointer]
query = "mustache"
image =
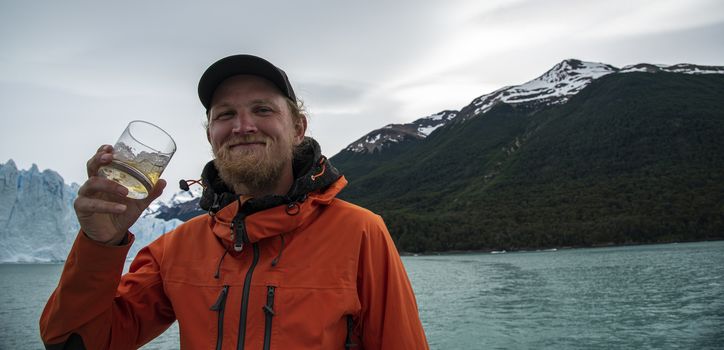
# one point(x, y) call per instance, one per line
point(244, 139)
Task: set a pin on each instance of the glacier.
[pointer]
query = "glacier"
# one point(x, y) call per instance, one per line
point(37, 220)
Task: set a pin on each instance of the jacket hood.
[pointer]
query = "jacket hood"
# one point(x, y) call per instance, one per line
point(312, 172)
point(316, 182)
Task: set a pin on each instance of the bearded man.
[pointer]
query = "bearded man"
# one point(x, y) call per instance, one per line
point(305, 270)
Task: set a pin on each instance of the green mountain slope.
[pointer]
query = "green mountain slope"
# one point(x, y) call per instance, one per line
point(632, 158)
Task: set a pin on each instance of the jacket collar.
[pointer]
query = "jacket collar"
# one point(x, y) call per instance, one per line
point(316, 183)
point(275, 220)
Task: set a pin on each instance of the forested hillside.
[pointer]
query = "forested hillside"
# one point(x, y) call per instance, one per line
point(632, 158)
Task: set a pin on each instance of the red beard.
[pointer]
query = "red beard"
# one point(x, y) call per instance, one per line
point(257, 168)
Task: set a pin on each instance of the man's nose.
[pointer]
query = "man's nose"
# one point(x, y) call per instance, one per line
point(244, 124)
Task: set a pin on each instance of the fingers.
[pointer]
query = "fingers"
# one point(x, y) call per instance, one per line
point(103, 156)
point(96, 205)
point(100, 195)
point(97, 185)
point(156, 192)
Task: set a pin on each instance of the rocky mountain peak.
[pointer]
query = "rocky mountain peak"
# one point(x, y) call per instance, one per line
point(391, 134)
point(555, 86)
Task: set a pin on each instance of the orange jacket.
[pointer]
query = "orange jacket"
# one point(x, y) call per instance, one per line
point(316, 274)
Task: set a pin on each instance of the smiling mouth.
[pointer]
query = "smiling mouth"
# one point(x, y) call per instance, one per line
point(247, 144)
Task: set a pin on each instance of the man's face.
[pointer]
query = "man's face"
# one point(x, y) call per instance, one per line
point(251, 131)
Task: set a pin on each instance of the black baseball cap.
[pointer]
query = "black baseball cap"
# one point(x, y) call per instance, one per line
point(237, 65)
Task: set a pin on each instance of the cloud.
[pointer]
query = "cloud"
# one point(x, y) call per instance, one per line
point(83, 69)
point(657, 16)
point(330, 94)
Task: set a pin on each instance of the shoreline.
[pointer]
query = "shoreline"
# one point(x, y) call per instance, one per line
point(455, 252)
point(545, 249)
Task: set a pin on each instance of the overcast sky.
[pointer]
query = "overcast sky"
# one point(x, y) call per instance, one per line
point(74, 73)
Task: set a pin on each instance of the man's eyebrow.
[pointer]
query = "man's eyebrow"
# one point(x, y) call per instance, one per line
point(261, 101)
point(258, 101)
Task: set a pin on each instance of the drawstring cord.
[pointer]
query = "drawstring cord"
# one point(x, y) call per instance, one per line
point(218, 267)
point(324, 168)
point(279, 256)
point(184, 184)
point(292, 209)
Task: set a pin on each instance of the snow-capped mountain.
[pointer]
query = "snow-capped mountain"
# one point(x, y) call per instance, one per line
point(556, 86)
point(37, 220)
point(183, 205)
point(396, 133)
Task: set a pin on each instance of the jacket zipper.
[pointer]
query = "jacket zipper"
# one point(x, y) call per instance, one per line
point(219, 306)
point(269, 313)
point(245, 296)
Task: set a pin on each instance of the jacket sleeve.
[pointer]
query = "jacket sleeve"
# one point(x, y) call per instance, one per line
point(389, 317)
point(93, 307)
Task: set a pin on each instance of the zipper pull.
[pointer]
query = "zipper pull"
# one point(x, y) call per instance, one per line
point(269, 307)
point(221, 301)
point(237, 236)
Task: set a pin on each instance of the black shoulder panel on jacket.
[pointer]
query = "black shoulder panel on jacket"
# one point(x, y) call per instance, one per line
point(312, 172)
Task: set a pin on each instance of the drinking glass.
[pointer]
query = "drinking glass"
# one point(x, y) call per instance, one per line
point(139, 157)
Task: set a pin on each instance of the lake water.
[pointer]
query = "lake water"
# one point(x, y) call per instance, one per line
point(642, 297)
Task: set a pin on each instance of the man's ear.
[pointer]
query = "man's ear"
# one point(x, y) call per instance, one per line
point(208, 121)
point(300, 129)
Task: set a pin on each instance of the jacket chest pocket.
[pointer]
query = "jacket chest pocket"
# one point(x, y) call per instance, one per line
point(200, 303)
point(307, 318)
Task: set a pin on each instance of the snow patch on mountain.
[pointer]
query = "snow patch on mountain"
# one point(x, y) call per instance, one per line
point(683, 68)
point(390, 134)
point(555, 86)
point(179, 198)
point(427, 130)
point(426, 125)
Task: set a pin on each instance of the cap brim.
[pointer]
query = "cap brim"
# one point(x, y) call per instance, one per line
point(238, 65)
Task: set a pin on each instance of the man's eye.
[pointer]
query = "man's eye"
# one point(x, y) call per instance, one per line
point(263, 110)
point(224, 115)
